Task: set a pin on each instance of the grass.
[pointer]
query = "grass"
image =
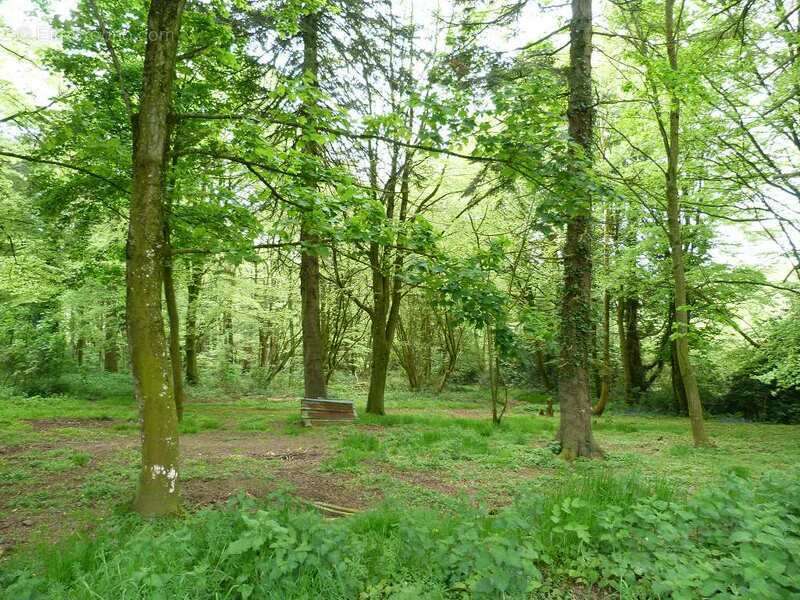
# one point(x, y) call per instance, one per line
point(195, 424)
point(592, 531)
point(68, 463)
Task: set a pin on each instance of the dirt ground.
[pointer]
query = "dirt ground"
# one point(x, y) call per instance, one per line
point(73, 465)
point(274, 462)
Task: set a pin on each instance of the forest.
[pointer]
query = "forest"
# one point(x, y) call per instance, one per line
point(392, 299)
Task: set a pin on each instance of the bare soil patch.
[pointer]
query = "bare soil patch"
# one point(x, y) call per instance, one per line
point(205, 492)
point(22, 524)
point(256, 445)
point(309, 484)
point(436, 481)
point(290, 462)
point(298, 460)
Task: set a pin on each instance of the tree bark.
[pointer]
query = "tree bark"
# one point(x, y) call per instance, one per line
point(678, 389)
point(407, 354)
point(452, 335)
point(605, 369)
point(384, 317)
point(80, 345)
point(190, 337)
point(157, 493)
point(313, 371)
point(110, 349)
point(380, 366)
point(676, 246)
point(632, 353)
point(263, 346)
point(386, 291)
point(575, 433)
point(227, 337)
point(541, 367)
point(174, 334)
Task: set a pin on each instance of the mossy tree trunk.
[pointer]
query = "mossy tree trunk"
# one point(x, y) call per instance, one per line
point(605, 367)
point(386, 292)
point(575, 432)
point(174, 334)
point(157, 493)
point(170, 298)
point(384, 316)
point(681, 347)
point(678, 390)
point(315, 384)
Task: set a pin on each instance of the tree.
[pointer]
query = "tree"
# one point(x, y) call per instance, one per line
point(676, 245)
point(191, 341)
point(315, 383)
point(158, 479)
point(575, 431)
point(605, 365)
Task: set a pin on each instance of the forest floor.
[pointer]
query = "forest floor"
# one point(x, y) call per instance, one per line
point(66, 464)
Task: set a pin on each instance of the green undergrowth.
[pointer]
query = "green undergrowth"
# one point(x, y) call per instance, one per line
point(622, 535)
point(195, 424)
point(430, 442)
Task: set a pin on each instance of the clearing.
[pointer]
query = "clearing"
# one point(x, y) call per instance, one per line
point(66, 464)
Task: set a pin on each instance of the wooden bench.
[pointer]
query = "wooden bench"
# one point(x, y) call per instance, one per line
point(315, 411)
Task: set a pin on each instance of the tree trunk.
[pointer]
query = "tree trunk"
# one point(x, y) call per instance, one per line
point(407, 354)
point(80, 346)
point(596, 370)
point(385, 314)
point(605, 368)
point(623, 345)
point(190, 338)
point(630, 345)
point(263, 346)
point(633, 352)
point(110, 349)
point(541, 366)
point(605, 372)
point(379, 369)
point(678, 389)
point(386, 294)
point(575, 433)
point(313, 371)
point(158, 491)
point(381, 330)
point(227, 337)
point(174, 334)
point(451, 344)
point(493, 380)
point(676, 246)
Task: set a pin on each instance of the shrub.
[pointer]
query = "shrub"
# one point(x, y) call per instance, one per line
point(97, 386)
point(32, 348)
point(760, 401)
point(731, 541)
